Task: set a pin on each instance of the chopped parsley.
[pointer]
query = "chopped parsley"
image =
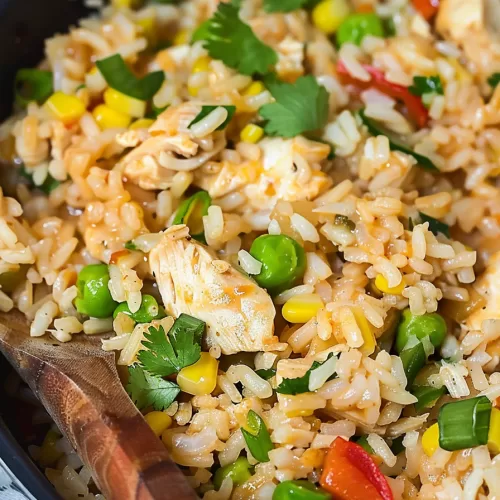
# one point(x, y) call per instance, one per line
point(182, 348)
point(436, 226)
point(426, 85)
point(283, 5)
point(149, 390)
point(300, 107)
point(494, 80)
point(227, 38)
point(206, 110)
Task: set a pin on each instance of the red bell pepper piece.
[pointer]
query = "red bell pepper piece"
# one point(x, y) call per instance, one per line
point(349, 473)
point(428, 8)
point(412, 102)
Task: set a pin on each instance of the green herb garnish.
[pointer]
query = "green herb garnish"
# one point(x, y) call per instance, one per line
point(266, 373)
point(427, 396)
point(494, 80)
point(426, 85)
point(257, 437)
point(230, 40)
point(300, 107)
point(182, 348)
point(32, 85)
point(150, 390)
point(206, 110)
point(283, 5)
point(119, 77)
point(435, 225)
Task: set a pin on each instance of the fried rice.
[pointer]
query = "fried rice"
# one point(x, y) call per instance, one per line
point(383, 237)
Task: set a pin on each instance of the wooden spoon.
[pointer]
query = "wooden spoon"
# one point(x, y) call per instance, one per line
point(78, 384)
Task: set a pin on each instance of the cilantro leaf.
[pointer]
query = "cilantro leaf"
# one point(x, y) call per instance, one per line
point(436, 226)
point(426, 85)
point(130, 245)
point(300, 107)
point(494, 80)
point(146, 389)
point(301, 384)
point(206, 110)
point(283, 5)
point(164, 357)
point(230, 40)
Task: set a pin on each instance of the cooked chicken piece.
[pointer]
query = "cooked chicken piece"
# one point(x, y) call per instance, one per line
point(488, 285)
point(288, 170)
point(238, 313)
point(474, 25)
point(167, 148)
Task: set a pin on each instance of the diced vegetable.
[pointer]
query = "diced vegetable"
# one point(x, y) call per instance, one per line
point(428, 8)
point(148, 311)
point(252, 133)
point(124, 104)
point(64, 107)
point(238, 471)
point(283, 5)
point(413, 360)
point(206, 110)
point(349, 473)
point(363, 442)
point(32, 85)
point(299, 490)
point(396, 144)
point(430, 440)
point(108, 118)
point(49, 184)
point(94, 298)
point(200, 378)
point(159, 421)
point(464, 424)
point(494, 80)
point(328, 15)
point(436, 226)
point(191, 212)
point(430, 324)
point(257, 437)
point(494, 432)
point(356, 26)
point(423, 85)
point(283, 261)
point(301, 308)
point(383, 286)
point(427, 396)
point(119, 77)
point(266, 374)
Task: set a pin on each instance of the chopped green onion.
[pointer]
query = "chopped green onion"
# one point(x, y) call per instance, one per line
point(119, 77)
point(147, 312)
point(191, 212)
point(436, 226)
point(423, 85)
point(356, 26)
point(427, 396)
point(413, 360)
point(266, 374)
point(156, 111)
point(32, 85)
point(257, 437)
point(130, 245)
point(464, 424)
point(363, 442)
point(299, 490)
point(49, 184)
point(238, 471)
point(396, 143)
point(494, 80)
point(206, 110)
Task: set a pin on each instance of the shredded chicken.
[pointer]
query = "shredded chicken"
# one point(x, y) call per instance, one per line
point(474, 25)
point(238, 313)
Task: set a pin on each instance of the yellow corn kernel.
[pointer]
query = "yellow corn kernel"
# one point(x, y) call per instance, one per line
point(301, 308)
point(49, 454)
point(181, 38)
point(430, 440)
point(254, 89)
point(369, 341)
point(148, 24)
point(299, 413)
point(329, 14)
point(193, 91)
point(199, 379)
point(159, 421)
point(381, 284)
point(109, 118)
point(494, 432)
point(201, 64)
point(141, 123)
point(252, 133)
point(124, 104)
point(66, 108)
point(122, 3)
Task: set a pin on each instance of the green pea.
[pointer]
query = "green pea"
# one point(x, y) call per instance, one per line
point(432, 325)
point(148, 311)
point(356, 26)
point(238, 471)
point(283, 261)
point(299, 490)
point(94, 298)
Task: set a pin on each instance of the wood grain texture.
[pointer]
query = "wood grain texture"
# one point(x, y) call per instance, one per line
point(78, 384)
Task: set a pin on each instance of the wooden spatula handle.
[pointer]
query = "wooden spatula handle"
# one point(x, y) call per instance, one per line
point(79, 386)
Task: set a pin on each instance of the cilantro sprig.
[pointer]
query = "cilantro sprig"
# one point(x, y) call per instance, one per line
point(232, 41)
point(284, 5)
point(300, 107)
point(165, 354)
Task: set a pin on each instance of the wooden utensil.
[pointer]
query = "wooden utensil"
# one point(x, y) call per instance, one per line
point(78, 384)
